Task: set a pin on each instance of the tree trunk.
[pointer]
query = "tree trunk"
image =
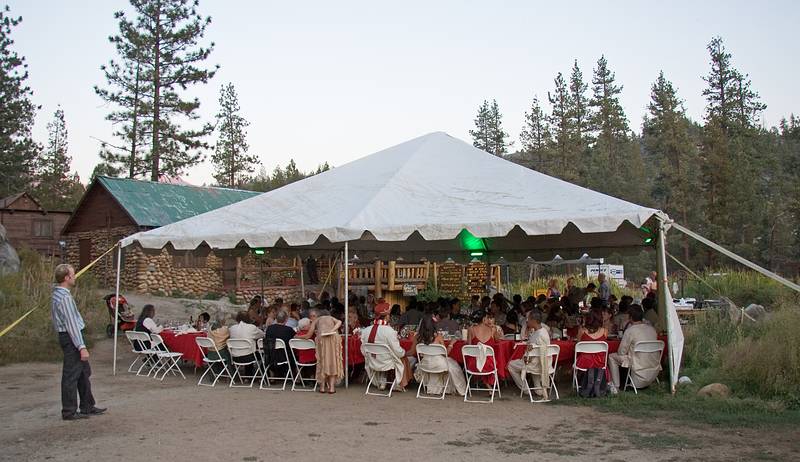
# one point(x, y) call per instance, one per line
point(134, 133)
point(156, 93)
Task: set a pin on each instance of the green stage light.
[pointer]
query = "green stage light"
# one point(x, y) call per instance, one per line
point(476, 254)
point(649, 237)
point(259, 251)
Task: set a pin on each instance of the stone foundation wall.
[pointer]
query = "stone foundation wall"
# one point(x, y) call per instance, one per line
point(102, 239)
point(289, 294)
point(157, 274)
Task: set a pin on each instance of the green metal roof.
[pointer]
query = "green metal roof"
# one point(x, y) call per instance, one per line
point(158, 204)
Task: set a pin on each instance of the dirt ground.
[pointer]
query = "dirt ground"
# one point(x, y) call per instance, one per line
point(177, 420)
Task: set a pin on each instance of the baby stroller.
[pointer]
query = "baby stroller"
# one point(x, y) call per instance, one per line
point(125, 321)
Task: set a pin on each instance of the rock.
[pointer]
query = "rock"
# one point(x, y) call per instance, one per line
point(683, 380)
point(9, 260)
point(757, 312)
point(715, 390)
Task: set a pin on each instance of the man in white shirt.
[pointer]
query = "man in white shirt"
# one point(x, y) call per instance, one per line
point(645, 367)
point(539, 337)
point(245, 329)
point(380, 332)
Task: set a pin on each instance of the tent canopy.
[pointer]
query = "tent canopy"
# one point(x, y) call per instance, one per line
point(433, 196)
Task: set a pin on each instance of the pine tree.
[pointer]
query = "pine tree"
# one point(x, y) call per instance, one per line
point(731, 159)
point(55, 188)
point(536, 138)
point(163, 40)
point(566, 160)
point(231, 162)
point(673, 155)
point(18, 151)
point(481, 136)
point(489, 134)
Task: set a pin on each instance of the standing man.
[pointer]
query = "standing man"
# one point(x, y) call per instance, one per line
point(604, 290)
point(67, 321)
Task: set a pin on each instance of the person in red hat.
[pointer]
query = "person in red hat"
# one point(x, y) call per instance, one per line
point(381, 332)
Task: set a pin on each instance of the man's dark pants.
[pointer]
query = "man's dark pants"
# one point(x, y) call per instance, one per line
point(74, 379)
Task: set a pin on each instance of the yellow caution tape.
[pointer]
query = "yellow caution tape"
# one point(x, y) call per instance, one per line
point(79, 274)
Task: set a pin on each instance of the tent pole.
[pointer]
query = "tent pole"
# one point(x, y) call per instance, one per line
point(663, 290)
point(116, 308)
point(346, 314)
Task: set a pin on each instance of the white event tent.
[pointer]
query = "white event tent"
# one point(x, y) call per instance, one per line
point(433, 196)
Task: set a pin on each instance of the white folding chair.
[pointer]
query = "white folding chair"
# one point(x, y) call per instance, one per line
point(300, 344)
point(552, 354)
point(510, 337)
point(646, 347)
point(239, 349)
point(140, 346)
point(206, 344)
point(432, 350)
point(588, 347)
point(473, 351)
point(279, 346)
point(167, 360)
point(379, 349)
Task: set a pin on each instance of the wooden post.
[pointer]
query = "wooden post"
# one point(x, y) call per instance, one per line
point(378, 286)
point(391, 276)
point(435, 276)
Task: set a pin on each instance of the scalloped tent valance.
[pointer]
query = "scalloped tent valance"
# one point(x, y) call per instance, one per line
point(417, 198)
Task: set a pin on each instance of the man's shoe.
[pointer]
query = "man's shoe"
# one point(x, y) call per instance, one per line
point(613, 389)
point(94, 411)
point(75, 416)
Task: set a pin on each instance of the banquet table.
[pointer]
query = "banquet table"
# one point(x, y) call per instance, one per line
point(184, 343)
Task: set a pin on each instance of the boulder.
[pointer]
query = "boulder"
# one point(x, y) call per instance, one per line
point(715, 390)
point(756, 312)
point(683, 380)
point(9, 260)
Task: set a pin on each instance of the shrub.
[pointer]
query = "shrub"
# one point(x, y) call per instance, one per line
point(34, 339)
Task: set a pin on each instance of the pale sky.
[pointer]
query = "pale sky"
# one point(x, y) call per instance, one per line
point(335, 81)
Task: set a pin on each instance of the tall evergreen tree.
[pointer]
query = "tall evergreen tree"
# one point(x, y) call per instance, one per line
point(56, 189)
point(163, 40)
point(232, 164)
point(536, 138)
point(731, 159)
point(673, 155)
point(18, 151)
point(580, 118)
point(564, 156)
point(489, 134)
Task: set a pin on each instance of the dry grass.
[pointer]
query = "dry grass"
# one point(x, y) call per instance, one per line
point(34, 339)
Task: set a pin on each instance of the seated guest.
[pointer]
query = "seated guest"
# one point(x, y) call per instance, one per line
point(446, 324)
point(245, 329)
point(434, 383)
point(219, 334)
point(394, 317)
point(202, 321)
point(294, 316)
point(256, 311)
point(474, 305)
point(412, 316)
point(593, 331)
point(380, 332)
point(353, 321)
point(484, 330)
point(552, 289)
point(608, 320)
point(279, 330)
point(146, 324)
point(621, 318)
point(455, 310)
point(649, 305)
point(302, 326)
point(645, 367)
point(538, 338)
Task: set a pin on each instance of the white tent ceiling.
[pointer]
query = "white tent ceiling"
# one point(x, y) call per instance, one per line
point(415, 199)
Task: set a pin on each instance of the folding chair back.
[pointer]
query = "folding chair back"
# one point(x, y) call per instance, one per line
point(280, 345)
point(301, 344)
point(432, 350)
point(552, 352)
point(589, 347)
point(473, 351)
point(379, 349)
point(240, 348)
point(206, 344)
point(140, 346)
point(167, 360)
point(643, 348)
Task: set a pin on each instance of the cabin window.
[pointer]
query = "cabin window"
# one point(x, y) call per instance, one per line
point(43, 228)
point(188, 260)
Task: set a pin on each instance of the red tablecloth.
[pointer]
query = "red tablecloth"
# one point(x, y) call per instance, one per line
point(186, 344)
point(567, 353)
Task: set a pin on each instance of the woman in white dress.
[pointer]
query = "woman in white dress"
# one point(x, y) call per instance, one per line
point(427, 335)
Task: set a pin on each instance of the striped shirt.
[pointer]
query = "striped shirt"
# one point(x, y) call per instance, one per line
point(66, 317)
